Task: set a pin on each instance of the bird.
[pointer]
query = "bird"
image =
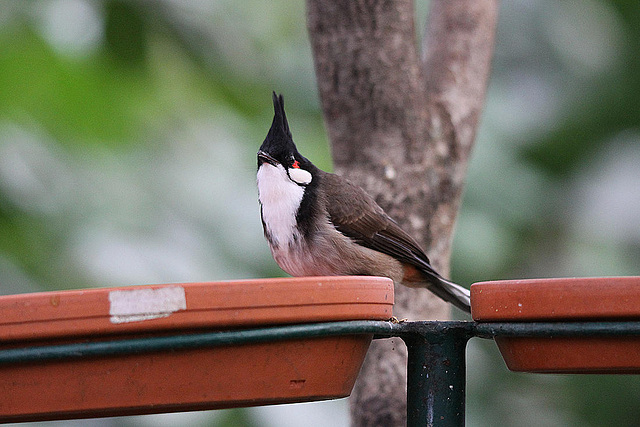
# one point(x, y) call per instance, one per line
point(318, 223)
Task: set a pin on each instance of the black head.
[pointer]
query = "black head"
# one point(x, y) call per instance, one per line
point(280, 164)
point(278, 146)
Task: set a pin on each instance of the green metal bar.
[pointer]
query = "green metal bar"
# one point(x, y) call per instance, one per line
point(194, 340)
point(436, 378)
point(550, 329)
point(380, 329)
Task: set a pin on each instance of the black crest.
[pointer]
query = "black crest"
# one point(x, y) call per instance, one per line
point(279, 143)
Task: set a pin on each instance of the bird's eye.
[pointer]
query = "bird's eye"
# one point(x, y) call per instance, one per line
point(296, 164)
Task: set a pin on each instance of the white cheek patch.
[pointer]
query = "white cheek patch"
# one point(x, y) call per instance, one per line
point(300, 176)
point(280, 199)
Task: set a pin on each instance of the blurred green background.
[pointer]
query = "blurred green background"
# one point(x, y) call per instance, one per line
point(128, 133)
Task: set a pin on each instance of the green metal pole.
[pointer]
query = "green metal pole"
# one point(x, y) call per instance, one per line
point(436, 378)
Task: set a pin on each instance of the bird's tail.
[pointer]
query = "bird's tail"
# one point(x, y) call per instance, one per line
point(453, 293)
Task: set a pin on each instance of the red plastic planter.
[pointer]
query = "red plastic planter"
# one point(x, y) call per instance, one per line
point(563, 300)
point(251, 374)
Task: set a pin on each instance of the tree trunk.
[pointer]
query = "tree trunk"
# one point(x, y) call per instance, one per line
point(401, 125)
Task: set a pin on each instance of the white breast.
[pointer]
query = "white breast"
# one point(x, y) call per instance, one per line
point(280, 199)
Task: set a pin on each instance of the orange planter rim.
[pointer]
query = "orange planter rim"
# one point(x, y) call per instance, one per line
point(180, 306)
point(587, 298)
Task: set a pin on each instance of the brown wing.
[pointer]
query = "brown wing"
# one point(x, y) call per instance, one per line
point(355, 214)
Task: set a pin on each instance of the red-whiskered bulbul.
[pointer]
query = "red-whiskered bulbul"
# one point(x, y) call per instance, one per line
point(320, 224)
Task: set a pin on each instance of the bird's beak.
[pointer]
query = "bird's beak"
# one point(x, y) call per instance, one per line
point(264, 157)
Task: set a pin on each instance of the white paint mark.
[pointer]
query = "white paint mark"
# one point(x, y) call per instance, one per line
point(136, 305)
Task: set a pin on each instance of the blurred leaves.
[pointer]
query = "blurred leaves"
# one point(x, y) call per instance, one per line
point(125, 35)
point(73, 100)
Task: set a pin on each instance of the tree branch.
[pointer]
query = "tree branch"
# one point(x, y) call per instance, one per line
point(402, 127)
point(457, 52)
